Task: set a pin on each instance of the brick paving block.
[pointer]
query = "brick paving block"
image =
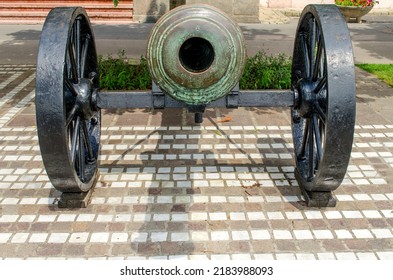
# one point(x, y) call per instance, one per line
point(385, 255)
point(285, 256)
point(333, 245)
point(326, 256)
point(305, 256)
point(119, 237)
point(97, 250)
point(282, 234)
point(20, 237)
point(220, 257)
point(284, 245)
point(219, 235)
point(346, 256)
point(362, 233)
point(260, 235)
point(241, 257)
point(343, 234)
point(179, 236)
point(323, 234)
point(309, 245)
point(38, 237)
point(239, 246)
point(139, 237)
point(263, 257)
point(75, 250)
point(99, 237)
point(168, 248)
point(240, 235)
point(199, 236)
point(303, 234)
point(366, 256)
point(79, 237)
point(47, 250)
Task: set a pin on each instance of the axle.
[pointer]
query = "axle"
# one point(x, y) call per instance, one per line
point(159, 100)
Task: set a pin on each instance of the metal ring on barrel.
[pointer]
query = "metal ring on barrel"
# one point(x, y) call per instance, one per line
point(196, 54)
point(68, 121)
point(323, 81)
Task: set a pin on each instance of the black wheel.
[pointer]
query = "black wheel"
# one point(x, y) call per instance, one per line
point(68, 120)
point(323, 80)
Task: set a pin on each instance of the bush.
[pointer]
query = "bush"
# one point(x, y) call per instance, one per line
point(267, 72)
point(261, 72)
point(120, 74)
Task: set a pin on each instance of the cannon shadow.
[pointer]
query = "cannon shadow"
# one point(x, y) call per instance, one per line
point(164, 211)
point(174, 195)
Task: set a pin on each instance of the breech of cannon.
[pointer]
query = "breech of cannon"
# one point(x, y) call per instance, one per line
point(196, 54)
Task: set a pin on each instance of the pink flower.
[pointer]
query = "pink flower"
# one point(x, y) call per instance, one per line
point(360, 3)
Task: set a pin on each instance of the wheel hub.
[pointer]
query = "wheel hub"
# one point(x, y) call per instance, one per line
point(307, 98)
point(85, 101)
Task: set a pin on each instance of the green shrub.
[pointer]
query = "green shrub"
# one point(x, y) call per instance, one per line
point(261, 72)
point(267, 72)
point(120, 74)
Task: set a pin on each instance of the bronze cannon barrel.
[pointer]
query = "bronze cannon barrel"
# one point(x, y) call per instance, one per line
point(196, 54)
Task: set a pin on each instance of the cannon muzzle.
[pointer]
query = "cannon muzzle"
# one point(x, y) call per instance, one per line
point(196, 54)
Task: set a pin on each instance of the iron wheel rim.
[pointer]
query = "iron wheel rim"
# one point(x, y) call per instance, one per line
point(68, 122)
point(323, 79)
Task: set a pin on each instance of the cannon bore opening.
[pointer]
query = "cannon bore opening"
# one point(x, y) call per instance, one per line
point(196, 54)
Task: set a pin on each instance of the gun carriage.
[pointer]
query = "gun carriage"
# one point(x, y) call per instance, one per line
point(196, 55)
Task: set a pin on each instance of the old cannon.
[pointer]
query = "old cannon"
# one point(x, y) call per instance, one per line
point(196, 55)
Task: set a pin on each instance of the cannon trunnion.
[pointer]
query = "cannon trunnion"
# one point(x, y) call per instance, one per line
point(196, 55)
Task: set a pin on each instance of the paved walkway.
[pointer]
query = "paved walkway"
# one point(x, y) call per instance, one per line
point(272, 16)
point(371, 40)
point(170, 189)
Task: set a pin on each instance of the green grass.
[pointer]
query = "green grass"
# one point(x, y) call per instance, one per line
point(261, 72)
point(383, 72)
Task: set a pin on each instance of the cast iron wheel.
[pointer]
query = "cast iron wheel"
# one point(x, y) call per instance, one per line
point(68, 120)
point(323, 80)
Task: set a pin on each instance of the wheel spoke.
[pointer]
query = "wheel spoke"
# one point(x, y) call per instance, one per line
point(321, 85)
point(75, 137)
point(317, 137)
point(310, 150)
point(72, 65)
point(318, 60)
point(77, 41)
point(86, 140)
point(321, 113)
point(70, 87)
point(81, 156)
point(321, 130)
point(84, 55)
point(302, 153)
point(71, 116)
point(305, 55)
point(311, 47)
